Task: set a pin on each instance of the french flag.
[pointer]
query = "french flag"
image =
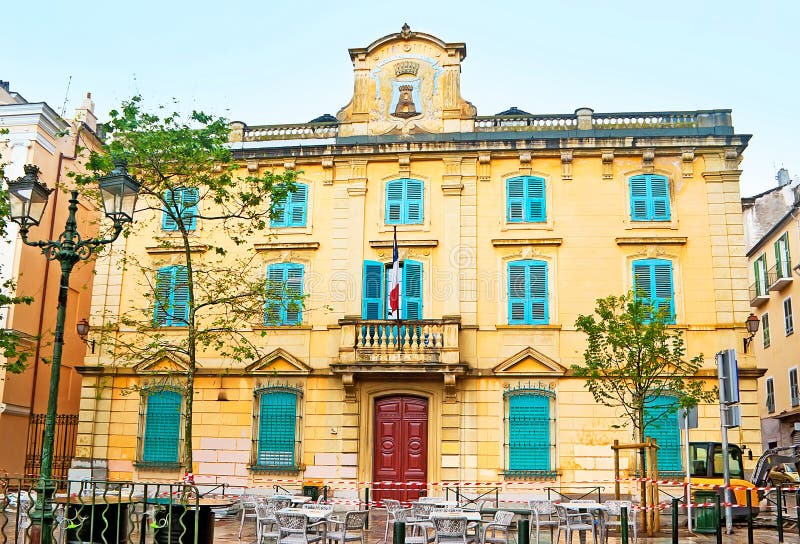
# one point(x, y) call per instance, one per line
point(394, 282)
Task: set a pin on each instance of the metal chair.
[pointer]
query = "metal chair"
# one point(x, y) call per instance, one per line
point(392, 506)
point(279, 503)
point(294, 528)
point(425, 528)
point(614, 511)
point(265, 519)
point(543, 512)
point(450, 529)
point(499, 527)
point(349, 530)
point(247, 505)
point(570, 522)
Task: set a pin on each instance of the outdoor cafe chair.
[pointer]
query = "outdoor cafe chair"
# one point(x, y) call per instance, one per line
point(570, 522)
point(279, 503)
point(392, 506)
point(424, 528)
point(349, 530)
point(497, 531)
point(294, 528)
point(614, 511)
point(544, 515)
point(247, 505)
point(451, 529)
point(265, 520)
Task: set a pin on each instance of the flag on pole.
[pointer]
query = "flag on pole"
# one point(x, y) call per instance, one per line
point(394, 282)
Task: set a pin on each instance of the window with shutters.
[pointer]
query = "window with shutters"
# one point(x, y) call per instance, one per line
point(375, 292)
point(276, 429)
point(661, 423)
point(530, 436)
point(525, 200)
point(527, 293)
point(404, 202)
point(760, 274)
point(765, 330)
point(794, 392)
point(649, 196)
point(181, 207)
point(788, 320)
point(171, 297)
point(291, 211)
point(770, 395)
point(783, 260)
point(652, 281)
point(284, 304)
point(160, 428)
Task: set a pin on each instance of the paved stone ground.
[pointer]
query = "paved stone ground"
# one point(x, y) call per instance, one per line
point(226, 532)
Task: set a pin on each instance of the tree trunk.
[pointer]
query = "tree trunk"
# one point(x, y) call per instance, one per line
point(191, 349)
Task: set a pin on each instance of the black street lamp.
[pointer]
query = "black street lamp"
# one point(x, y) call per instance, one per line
point(752, 324)
point(28, 198)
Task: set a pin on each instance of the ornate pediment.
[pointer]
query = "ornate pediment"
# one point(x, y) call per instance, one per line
point(162, 363)
point(530, 362)
point(406, 83)
point(279, 362)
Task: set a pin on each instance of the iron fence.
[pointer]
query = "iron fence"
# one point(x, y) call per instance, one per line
point(63, 444)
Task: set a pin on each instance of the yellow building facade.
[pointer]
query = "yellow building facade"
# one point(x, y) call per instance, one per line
point(508, 227)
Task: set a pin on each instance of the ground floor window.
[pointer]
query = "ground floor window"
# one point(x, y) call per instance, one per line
point(276, 425)
point(529, 431)
point(160, 427)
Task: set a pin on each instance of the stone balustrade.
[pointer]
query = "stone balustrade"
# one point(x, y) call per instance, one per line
point(393, 342)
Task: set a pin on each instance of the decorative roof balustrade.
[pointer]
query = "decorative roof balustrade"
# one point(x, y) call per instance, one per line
point(298, 131)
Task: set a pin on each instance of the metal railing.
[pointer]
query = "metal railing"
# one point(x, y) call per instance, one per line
point(407, 340)
point(66, 432)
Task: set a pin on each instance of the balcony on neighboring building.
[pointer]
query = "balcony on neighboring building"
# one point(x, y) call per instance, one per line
point(407, 347)
point(759, 295)
point(779, 276)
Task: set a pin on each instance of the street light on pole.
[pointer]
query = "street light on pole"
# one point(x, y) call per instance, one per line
point(27, 198)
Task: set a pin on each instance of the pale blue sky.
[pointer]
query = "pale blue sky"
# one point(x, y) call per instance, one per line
point(267, 62)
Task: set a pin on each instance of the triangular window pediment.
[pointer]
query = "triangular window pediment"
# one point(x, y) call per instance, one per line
point(279, 361)
point(530, 362)
point(162, 363)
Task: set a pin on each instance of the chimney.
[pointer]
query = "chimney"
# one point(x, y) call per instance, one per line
point(783, 177)
point(85, 113)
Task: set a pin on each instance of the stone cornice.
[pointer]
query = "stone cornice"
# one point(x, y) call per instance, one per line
point(160, 250)
point(283, 246)
point(403, 243)
point(512, 242)
point(651, 240)
point(37, 113)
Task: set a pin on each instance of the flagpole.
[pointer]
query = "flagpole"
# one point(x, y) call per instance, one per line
point(397, 256)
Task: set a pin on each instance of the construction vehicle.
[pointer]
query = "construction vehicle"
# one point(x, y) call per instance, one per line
point(772, 459)
point(706, 466)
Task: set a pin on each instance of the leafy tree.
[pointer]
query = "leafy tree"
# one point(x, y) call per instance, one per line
point(633, 357)
point(188, 181)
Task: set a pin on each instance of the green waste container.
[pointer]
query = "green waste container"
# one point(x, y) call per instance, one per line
point(311, 491)
point(705, 517)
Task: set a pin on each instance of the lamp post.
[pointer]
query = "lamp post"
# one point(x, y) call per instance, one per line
point(28, 198)
point(752, 324)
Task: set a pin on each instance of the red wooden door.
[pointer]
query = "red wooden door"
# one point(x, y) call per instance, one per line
point(401, 447)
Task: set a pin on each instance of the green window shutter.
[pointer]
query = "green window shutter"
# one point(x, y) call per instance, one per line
point(412, 290)
point(298, 203)
point(167, 221)
point(529, 445)
point(277, 427)
point(661, 423)
point(515, 200)
point(527, 293)
point(414, 201)
point(372, 296)
point(189, 199)
point(765, 330)
point(162, 427)
point(536, 212)
point(395, 208)
point(639, 198)
point(782, 258)
point(162, 316)
point(659, 193)
point(517, 293)
point(284, 305)
point(652, 281)
point(293, 307)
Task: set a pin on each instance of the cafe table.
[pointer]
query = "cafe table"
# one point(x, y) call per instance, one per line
point(314, 514)
point(296, 499)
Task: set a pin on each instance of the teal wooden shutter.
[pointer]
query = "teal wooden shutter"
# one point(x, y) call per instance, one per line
point(412, 290)
point(661, 423)
point(652, 280)
point(515, 200)
point(163, 294)
point(414, 203)
point(180, 297)
point(659, 198)
point(167, 221)
point(395, 209)
point(298, 201)
point(277, 426)
point(639, 198)
point(529, 432)
point(536, 212)
point(172, 297)
point(284, 305)
point(517, 293)
point(537, 280)
point(162, 427)
point(292, 310)
point(279, 213)
point(372, 296)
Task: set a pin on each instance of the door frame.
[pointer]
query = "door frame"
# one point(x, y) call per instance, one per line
point(370, 391)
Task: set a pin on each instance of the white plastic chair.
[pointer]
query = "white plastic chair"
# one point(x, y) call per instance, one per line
point(570, 522)
point(498, 530)
point(424, 528)
point(392, 506)
point(543, 512)
point(614, 511)
point(450, 529)
point(349, 530)
point(247, 505)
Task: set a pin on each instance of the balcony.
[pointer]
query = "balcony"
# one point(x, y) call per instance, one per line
point(759, 295)
point(408, 347)
point(779, 276)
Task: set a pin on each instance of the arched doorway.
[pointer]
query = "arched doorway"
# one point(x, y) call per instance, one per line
point(400, 449)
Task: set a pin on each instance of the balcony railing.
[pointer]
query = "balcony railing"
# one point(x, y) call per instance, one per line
point(420, 341)
point(759, 295)
point(779, 276)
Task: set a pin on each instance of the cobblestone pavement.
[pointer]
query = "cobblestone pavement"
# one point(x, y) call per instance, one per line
point(226, 532)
